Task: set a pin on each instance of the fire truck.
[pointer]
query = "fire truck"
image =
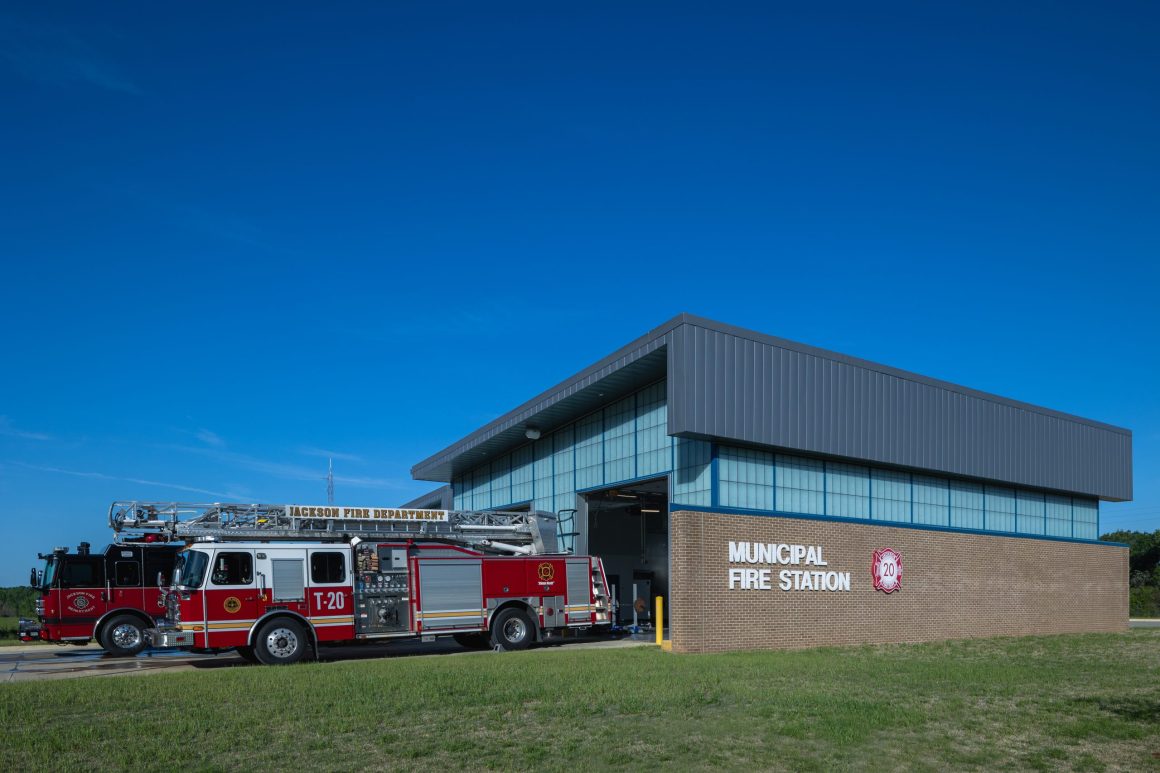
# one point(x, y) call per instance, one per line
point(276, 582)
point(111, 596)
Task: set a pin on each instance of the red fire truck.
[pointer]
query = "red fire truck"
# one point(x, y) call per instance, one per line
point(275, 582)
point(112, 596)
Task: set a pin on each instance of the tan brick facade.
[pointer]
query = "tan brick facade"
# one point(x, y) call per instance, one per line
point(954, 585)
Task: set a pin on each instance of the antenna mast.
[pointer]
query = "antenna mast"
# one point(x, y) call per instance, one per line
point(330, 482)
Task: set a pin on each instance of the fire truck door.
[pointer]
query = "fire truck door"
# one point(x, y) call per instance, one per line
point(231, 598)
point(125, 583)
point(83, 595)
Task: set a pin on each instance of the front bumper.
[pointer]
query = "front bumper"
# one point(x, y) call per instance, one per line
point(28, 630)
point(168, 638)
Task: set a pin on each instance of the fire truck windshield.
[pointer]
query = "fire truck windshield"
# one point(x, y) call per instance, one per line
point(49, 573)
point(189, 571)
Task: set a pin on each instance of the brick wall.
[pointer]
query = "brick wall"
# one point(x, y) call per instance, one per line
point(954, 585)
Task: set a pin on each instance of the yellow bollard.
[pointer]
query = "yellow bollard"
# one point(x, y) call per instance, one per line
point(660, 620)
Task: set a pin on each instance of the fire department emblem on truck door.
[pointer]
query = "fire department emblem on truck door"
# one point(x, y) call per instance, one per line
point(546, 571)
point(232, 604)
point(887, 570)
point(80, 602)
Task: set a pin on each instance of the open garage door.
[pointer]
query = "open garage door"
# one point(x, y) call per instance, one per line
point(628, 527)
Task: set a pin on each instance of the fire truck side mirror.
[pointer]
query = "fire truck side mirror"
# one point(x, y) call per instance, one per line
point(32, 579)
point(161, 579)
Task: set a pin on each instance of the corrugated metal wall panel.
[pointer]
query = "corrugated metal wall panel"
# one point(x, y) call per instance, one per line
point(733, 387)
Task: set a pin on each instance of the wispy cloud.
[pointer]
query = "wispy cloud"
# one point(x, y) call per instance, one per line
point(285, 471)
point(138, 481)
point(49, 54)
point(8, 430)
point(209, 438)
point(326, 454)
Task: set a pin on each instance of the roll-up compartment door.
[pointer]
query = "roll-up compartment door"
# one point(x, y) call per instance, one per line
point(451, 593)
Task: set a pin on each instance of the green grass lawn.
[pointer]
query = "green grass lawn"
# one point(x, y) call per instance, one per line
point(1089, 702)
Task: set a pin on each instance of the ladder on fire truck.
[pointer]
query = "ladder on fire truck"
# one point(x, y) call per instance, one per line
point(505, 533)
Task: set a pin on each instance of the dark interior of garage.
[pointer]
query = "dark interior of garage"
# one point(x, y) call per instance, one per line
point(628, 527)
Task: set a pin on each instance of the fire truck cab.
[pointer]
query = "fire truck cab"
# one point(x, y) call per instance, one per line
point(111, 596)
point(276, 602)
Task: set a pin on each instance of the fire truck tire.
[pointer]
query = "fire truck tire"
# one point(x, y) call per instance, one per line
point(123, 636)
point(511, 630)
point(281, 642)
point(472, 641)
point(247, 654)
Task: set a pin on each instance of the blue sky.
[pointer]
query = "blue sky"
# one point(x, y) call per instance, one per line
point(237, 241)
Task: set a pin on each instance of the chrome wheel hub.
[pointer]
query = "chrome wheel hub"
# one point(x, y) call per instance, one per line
point(515, 630)
point(126, 636)
point(281, 642)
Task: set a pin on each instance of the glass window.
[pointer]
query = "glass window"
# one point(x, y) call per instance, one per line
point(82, 573)
point(564, 487)
point(232, 569)
point(1000, 504)
point(327, 567)
point(189, 571)
point(619, 441)
point(481, 488)
point(931, 500)
point(800, 485)
point(653, 444)
point(1058, 516)
point(692, 480)
point(1029, 508)
point(746, 478)
point(127, 574)
point(966, 505)
point(542, 474)
point(1086, 513)
point(522, 474)
point(590, 451)
point(847, 490)
point(457, 495)
point(890, 495)
point(501, 481)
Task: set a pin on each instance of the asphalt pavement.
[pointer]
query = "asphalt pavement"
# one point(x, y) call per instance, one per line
point(33, 662)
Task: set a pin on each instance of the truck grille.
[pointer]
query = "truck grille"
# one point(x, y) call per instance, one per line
point(40, 607)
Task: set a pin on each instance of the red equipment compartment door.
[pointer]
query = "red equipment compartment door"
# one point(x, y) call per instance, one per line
point(550, 579)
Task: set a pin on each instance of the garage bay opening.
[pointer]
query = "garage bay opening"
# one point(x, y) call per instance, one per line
point(628, 527)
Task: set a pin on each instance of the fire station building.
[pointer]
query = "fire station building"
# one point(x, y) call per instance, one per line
point(779, 495)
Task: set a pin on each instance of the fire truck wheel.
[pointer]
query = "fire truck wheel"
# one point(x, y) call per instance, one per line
point(472, 641)
point(511, 630)
point(123, 636)
point(280, 643)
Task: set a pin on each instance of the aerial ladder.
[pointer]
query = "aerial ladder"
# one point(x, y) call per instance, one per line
point(491, 532)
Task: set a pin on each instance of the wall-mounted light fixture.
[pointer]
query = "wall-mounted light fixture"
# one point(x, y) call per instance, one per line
point(531, 433)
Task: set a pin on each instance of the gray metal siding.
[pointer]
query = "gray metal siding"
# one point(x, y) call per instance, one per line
point(731, 385)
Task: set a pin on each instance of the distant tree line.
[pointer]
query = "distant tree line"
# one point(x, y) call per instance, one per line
point(1143, 570)
point(17, 602)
